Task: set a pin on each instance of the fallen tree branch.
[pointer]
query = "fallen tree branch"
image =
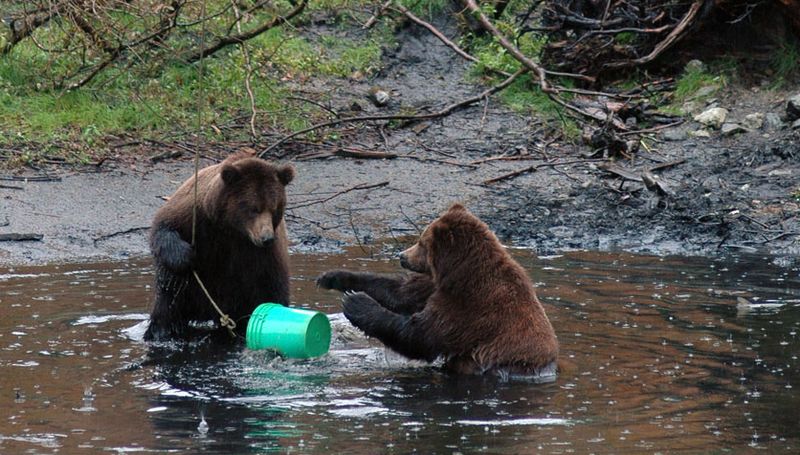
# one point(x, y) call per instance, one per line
point(671, 39)
point(360, 186)
point(118, 233)
point(372, 20)
point(225, 41)
point(14, 237)
point(533, 168)
point(519, 56)
point(28, 24)
point(538, 70)
point(447, 110)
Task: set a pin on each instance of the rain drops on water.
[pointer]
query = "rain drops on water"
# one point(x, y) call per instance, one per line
point(202, 427)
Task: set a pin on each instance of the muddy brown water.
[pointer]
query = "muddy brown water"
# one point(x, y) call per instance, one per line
point(660, 358)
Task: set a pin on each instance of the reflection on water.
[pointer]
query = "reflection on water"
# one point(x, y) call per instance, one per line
point(660, 355)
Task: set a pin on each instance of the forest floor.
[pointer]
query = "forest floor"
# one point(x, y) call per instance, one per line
point(724, 193)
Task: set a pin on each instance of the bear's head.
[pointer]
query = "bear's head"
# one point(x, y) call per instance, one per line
point(253, 197)
point(446, 242)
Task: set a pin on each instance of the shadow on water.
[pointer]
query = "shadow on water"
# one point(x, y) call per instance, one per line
point(660, 355)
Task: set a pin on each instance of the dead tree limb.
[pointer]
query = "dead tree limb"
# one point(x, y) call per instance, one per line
point(535, 68)
point(15, 237)
point(360, 186)
point(670, 40)
point(519, 56)
point(535, 167)
point(435, 33)
point(372, 20)
point(23, 27)
point(447, 110)
point(225, 41)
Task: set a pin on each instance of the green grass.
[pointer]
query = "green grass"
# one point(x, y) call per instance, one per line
point(524, 94)
point(693, 80)
point(785, 62)
point(162, 96)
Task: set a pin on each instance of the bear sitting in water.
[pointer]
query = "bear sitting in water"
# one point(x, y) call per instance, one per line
point(240, 251)
point(466, 300)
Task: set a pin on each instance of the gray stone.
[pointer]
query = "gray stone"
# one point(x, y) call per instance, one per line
point(796, 124)
point(690, 108)
point(700, 133)
point(730, 129)
point(673, 134)
point(695, 66)
point(753, 121)
point(793, 108)
point(705, 91)
point(713, 117)
point(772, 121)
point(379, 96)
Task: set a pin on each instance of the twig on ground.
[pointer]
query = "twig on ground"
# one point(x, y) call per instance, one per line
point(15, 237)
point(355, 233)
point(360, 186)
point(533, 168)
point(447, 110)
point(33, 178)
point(115, 234)
point(441, 36)
point(11, 187)
point(372, 20)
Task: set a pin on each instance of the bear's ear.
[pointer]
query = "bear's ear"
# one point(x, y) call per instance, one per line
point(286, 174)
point(457, 207)
point(230, 174)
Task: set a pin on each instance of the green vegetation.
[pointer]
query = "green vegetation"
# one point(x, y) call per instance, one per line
point(785, 63)
point(160, 96)
point(524, 94)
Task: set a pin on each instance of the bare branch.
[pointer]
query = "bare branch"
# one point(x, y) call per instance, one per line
point(226, 41)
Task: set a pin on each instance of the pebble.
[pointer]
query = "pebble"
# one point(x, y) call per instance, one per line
point(730, 129)
point(713, 117)
point(673, 134)
point(772, 121)
point(700, 133)
point(753, 121)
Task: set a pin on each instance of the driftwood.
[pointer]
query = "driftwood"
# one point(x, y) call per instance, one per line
point(14, 237)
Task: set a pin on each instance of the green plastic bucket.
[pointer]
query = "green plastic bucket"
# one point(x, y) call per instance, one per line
point(294, 333)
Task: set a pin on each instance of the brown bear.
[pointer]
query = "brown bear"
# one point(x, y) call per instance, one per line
point(466, 300)
point(240, 251)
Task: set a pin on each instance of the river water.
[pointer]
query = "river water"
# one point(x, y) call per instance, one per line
point(659, 355)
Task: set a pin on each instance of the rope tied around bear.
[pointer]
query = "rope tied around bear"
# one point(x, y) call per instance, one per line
point(224, 319)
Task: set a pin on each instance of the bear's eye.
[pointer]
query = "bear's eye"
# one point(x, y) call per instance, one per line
point(254, 210)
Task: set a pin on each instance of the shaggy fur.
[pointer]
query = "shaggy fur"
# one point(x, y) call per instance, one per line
point(466, 300)
point(240, 251)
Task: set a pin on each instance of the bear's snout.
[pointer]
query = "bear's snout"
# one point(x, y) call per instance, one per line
point(410, 260)
point(267, 240)
point(404, 261)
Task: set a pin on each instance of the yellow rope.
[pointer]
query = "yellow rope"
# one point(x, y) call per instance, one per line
point(224, 319)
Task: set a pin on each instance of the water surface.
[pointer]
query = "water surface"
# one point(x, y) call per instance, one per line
point(660, 355)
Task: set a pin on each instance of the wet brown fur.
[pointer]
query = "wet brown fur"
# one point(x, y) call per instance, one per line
point(241, 248)
point(484, 306)
point(480, 309)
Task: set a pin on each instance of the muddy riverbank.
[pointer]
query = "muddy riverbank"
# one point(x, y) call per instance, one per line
point(724, 193)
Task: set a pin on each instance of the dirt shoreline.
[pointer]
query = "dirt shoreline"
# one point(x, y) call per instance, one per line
point(729, 193)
